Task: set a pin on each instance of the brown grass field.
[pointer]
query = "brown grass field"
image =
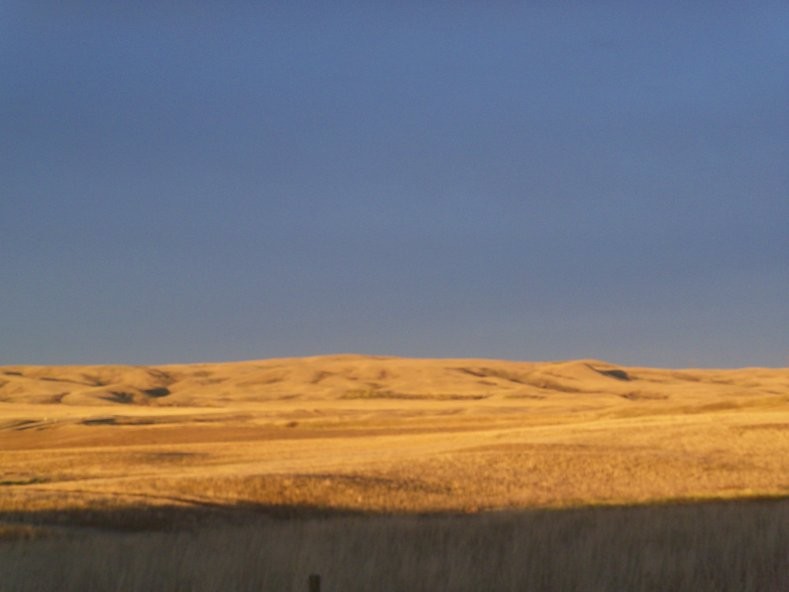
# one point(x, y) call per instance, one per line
point(393, 474)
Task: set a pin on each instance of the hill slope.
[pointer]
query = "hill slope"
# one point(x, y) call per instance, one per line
point(351, 376)
point(386, 434)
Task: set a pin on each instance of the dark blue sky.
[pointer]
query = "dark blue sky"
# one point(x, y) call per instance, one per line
point(536, 180)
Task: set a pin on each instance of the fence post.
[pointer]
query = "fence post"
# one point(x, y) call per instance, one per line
point(315, 583)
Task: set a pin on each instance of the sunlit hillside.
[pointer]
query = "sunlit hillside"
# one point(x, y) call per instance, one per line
point(387, 434)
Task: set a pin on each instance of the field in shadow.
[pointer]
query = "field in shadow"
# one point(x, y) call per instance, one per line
point(721, 546)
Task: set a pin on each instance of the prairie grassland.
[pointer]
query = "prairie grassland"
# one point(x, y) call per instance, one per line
point(136, 448)
point(723, 546)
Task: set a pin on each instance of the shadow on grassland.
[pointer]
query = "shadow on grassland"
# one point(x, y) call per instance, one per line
point(173, 517)
point(731, 546)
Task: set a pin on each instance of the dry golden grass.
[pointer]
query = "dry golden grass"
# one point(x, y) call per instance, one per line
point(389, 434)
point(136, 448)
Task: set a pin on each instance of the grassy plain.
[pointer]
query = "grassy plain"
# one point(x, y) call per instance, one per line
point(712, 547)
point(139, 448)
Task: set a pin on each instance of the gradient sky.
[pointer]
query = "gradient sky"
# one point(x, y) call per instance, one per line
point(207, 181)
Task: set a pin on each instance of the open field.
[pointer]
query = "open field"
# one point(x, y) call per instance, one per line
point(137, 448)
point(712, 547)
point(389, 434)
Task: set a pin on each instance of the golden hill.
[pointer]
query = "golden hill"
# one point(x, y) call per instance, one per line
point(387, 434)
point(352, 376)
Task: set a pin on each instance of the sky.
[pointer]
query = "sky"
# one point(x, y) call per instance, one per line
point(208, 181)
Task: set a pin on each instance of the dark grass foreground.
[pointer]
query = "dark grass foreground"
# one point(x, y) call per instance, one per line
point(721, 546)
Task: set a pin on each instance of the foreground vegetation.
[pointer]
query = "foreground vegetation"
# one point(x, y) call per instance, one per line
point(721, 546)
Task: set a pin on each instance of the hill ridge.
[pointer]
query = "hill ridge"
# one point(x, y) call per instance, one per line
point(349, 376)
